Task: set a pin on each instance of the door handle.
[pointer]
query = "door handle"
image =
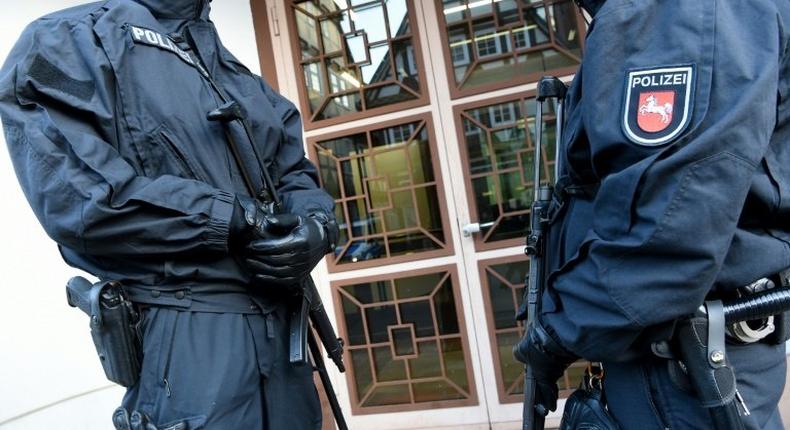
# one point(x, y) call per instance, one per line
point(470, 229)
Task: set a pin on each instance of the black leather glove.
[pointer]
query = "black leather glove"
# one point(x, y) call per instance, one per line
point(285, 260)
point(252, 221)
point(548, 360)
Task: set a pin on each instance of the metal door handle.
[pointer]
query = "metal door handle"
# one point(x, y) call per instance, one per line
point(470, 229)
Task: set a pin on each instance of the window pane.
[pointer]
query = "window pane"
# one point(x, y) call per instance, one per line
point(388, 192)
point(414, 352)
point(506, 42)
point(503, 284)
point(367, 48)
point(498, 153)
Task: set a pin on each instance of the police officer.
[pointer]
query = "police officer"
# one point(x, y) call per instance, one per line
point(675, 187)
point(104, 108)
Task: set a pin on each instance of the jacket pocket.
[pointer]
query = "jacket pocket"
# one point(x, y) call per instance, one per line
point(164, 155)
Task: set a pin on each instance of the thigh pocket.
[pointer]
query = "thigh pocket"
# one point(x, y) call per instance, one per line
point(654, 396)
point(168, 336)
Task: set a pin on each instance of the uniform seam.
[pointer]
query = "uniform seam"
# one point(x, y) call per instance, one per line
point(661, 227)
point(69, 189)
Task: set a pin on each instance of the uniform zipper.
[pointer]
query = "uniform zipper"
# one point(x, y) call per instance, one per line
point(265, 192)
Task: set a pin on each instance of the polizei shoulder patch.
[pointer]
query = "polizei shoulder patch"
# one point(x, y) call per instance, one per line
point(657, 105)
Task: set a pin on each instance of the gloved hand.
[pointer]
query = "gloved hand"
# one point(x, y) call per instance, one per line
point(288, 259)
point(251, 221)
point(280, 249)
point(548, 360)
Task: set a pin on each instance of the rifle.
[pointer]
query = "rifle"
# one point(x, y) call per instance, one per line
point(309, 304)
point(549, 87)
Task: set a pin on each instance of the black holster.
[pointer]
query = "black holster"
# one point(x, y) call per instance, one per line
point(115, 327)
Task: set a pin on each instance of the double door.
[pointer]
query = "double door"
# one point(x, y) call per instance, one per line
point(420, 118)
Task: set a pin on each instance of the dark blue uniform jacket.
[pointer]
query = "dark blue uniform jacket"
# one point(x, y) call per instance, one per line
point(675, 219)
point(105, 120)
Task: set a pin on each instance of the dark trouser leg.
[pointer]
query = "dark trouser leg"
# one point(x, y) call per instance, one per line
point(200, 368)
point(289, 393)
point(641, 395)
point(222, 371)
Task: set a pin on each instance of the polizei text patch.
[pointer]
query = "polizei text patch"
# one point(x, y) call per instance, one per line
point(657, 105)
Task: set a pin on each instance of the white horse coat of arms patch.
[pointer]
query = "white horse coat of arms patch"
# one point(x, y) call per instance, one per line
point(657, 104)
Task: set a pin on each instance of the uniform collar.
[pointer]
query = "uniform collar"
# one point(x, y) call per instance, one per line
point(591, 6)
point(177, 9)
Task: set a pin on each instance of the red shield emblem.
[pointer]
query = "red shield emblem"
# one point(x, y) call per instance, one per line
point(658, 103)
point(655, 110)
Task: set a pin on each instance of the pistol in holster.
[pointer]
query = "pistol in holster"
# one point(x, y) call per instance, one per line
point(115, 327)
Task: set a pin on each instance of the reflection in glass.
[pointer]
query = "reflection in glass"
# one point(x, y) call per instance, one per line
point(363, 374)
point(427, 364)
point(498, 152)
point(406, 288)
point(387, 368)
point(398, 16)
point(355, 48)
point(367, 50)
point(504, 283)
point(410, 340)
point(496, 42)
point(378, 319)
point(354, 326)
point(419, 314)
point(403, 341)
point(405, 65)
point(379, 69)
point(370, 19)
point(388, 195)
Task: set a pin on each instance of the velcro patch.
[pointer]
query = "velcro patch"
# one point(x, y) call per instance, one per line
point(50, 75)
point(657, 106)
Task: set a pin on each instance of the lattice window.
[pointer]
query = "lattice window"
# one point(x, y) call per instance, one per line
point(407, 345)
point(498, 43)
point(503, 289)
point(389, 199)
point(362, 52)
point(498, 151)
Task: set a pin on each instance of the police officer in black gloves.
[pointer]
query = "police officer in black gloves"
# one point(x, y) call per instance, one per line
point(104, 108)
point(676, 173)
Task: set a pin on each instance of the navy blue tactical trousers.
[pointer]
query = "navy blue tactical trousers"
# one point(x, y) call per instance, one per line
point(222, 371)
point(641, 395)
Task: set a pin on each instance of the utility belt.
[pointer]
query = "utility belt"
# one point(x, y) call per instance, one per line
point(114, 311)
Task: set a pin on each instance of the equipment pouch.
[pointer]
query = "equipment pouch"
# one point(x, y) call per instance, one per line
point(115, 327)
point(586, 407)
